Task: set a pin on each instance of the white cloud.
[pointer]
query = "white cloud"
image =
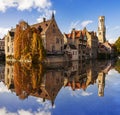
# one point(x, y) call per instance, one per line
point(42, 6)
point(47, 105)
point(4, 4)
point(115, 28)
point(113, 33)
point(86, 93)
point(3, 31)
point(3, 88)
point(24, 4)
point(74, 24)
point(3, 111)
point(47, 13)
point(86, 22)
point(79, 25)
point(23, 112)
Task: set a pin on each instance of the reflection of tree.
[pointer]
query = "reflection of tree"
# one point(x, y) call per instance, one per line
point(117, 66)
point(46, 81)
point(37, 74)
point(27, 78)
point(37, 81)
point(22, 80)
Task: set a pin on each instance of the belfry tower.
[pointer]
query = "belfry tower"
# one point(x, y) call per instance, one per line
point(101, 29)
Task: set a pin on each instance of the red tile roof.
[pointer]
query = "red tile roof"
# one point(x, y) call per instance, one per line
point(76, 33)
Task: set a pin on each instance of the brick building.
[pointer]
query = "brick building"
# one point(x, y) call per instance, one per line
point(51, 35)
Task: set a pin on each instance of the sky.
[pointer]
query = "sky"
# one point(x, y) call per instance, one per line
point(68, 14)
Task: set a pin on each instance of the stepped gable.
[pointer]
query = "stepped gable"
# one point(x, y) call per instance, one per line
point(76, 33)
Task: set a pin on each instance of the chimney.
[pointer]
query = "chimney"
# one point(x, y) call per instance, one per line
point(73, 34)
point(44, 19)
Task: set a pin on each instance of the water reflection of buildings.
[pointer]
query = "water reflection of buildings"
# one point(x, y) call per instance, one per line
point(46, 82)
point(9, 76)
point(2, 70)
point(36, 81)
point(87, 74)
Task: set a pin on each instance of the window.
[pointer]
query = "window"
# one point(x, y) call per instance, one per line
point(61, 41)
point(7, 70)
point(8, 48)
point(76, 52)
point(12, 50)
point(57, 40)
point(61, 48)
point(53, 48)
point(8, 39)
point(85, 38)
point(101, 20)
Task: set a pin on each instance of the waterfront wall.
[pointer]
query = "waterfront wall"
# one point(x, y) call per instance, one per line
point(54, 59)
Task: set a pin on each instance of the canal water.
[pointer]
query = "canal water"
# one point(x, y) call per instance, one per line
point(75, 88)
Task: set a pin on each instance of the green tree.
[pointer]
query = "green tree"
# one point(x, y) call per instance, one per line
point(117, 45)
point(117, 66)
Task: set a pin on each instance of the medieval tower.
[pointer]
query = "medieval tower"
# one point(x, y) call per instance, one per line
point(101, 29)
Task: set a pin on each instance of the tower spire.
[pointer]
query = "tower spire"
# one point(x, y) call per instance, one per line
point(53, 15)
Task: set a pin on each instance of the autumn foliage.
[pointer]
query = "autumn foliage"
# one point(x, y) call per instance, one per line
point(27, 78)
point(28, 43)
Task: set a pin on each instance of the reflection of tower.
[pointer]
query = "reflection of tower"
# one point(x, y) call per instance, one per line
point(101, 83)
point(101, 29)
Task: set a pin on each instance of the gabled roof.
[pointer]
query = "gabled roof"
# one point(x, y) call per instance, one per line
point(76, 33)
point(43, 25)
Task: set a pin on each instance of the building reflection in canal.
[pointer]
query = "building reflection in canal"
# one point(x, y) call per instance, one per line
point(45, 81)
